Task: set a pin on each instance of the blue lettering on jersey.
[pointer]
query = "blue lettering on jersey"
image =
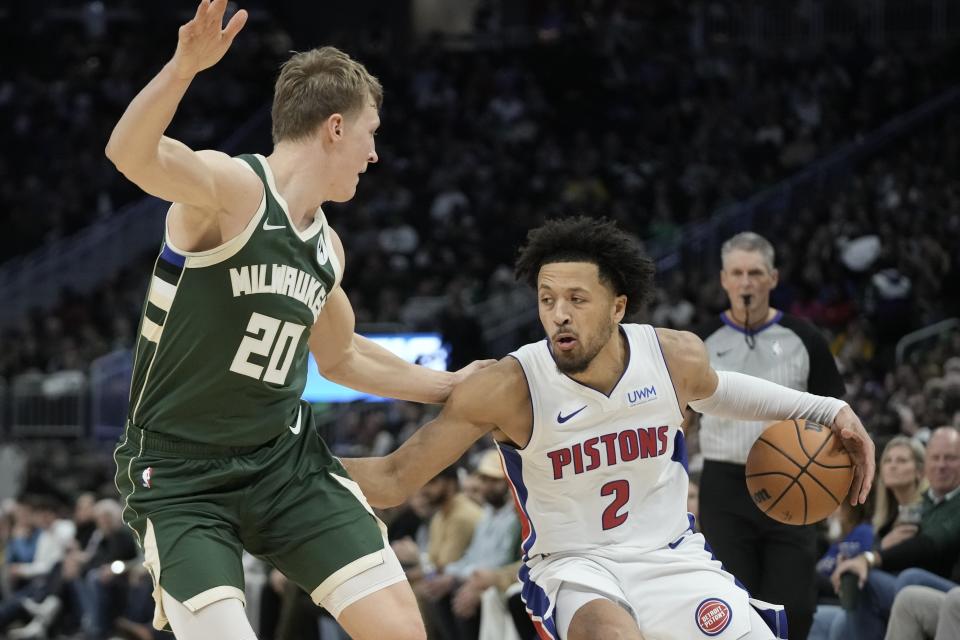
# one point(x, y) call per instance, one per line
point(640, 396)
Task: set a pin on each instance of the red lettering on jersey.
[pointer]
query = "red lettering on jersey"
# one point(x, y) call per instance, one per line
point(577, 459)
point(648, 442)
point(610, 439)
point(625, 446)
point(629, 447)
point(590, 448)
point(664, 441)
point(560, 458)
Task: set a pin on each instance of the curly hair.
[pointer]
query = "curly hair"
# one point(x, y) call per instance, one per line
point(622, 265)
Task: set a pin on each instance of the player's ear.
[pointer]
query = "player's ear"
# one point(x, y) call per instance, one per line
point(619, 307)
point(333, 127)
point(775, 278)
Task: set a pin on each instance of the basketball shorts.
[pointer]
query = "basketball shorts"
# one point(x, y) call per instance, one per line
point(195, 508)
point(678, 592)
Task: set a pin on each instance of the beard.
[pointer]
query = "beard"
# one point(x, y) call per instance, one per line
point(579, 359)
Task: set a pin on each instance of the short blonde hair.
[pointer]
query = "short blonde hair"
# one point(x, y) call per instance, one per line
point(313, 85)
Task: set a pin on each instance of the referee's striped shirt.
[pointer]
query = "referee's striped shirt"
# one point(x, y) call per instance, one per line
point(787, 350)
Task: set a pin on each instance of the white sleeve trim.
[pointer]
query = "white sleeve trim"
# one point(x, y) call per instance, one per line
point(742, 397)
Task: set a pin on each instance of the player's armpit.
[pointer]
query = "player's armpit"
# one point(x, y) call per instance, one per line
point(689, 365)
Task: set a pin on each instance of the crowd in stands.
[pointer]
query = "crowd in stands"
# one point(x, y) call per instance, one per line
point(648, 124)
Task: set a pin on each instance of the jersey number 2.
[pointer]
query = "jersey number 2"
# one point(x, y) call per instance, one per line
point(620, 490)
point(262, 340)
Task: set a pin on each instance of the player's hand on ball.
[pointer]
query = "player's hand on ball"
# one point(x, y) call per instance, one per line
point(204, 40)
point(854, 438)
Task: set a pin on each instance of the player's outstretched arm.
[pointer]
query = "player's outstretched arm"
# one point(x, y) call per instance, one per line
point(165, 167)
point(485, 401)
point(737, 396)
point(356, 362)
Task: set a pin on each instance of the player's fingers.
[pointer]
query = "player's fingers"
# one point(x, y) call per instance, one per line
point(236, 23)
point(865, 487)
point(215, 11)
point(856, 485)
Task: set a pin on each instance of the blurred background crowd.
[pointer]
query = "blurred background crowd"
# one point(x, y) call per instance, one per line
point(829, 127)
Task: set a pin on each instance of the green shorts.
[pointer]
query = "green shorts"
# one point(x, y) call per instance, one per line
point(195, 508)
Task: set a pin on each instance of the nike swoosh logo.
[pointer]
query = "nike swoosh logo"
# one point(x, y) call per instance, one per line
point(270, 227)
point(296, 430)
point(562, 418)
point(720, 354)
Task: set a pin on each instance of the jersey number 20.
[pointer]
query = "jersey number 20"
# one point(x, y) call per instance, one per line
point(262, 340)
point(620, 490)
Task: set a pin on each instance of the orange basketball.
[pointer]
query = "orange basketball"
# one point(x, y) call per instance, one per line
point(794, 475)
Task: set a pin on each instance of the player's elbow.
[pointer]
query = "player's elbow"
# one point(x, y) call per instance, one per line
point(134, 164)
point(115, 153)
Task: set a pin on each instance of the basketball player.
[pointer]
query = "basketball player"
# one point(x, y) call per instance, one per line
point(775, 561)
point(587, 425)
point(219, 453)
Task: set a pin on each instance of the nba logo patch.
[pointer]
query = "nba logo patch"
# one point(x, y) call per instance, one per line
point(322, 257)
point(146, 476)
point(713, 616)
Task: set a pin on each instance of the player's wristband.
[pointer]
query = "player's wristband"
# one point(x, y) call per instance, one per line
point(742, 397)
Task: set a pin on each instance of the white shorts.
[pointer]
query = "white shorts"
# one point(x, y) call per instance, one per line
point(678, 592)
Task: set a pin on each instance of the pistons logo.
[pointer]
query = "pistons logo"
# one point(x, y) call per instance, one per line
point(713, 616)
point(146, 476)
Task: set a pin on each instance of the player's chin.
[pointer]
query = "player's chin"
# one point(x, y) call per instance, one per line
point(346, 194)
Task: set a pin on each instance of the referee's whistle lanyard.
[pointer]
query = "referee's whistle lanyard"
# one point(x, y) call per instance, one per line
point(748, 334)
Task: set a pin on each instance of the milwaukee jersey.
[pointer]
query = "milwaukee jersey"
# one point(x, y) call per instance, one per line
point(222, 353)
point(600, 471)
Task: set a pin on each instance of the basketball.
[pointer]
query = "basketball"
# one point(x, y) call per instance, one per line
point(793, 473)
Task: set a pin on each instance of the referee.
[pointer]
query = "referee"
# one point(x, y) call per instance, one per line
point(774, 561)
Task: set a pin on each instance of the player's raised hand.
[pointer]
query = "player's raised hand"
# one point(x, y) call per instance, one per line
point(855, 439)
point(204, 40)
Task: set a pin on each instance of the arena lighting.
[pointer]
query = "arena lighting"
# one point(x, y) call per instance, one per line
point(426, 349)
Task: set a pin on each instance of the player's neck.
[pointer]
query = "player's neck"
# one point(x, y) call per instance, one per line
point(757, 317)
point(295, 172)
point(607, 368)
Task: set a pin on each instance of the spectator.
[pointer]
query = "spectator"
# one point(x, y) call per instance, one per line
point(451, 598)
point(50, 547)
point(854, 535)
point(920, 613)
point(98, 580)
point(899, 489)
point(925, 558)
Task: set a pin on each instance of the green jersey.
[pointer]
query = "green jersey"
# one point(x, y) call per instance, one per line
point(221, 356)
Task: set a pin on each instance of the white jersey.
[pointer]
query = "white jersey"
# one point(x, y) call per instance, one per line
point(600, 471)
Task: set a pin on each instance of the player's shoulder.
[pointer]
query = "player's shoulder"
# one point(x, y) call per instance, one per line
point(681, 346)
point(491, 394)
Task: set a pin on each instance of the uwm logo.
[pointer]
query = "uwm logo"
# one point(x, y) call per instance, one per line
point(639, 396)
